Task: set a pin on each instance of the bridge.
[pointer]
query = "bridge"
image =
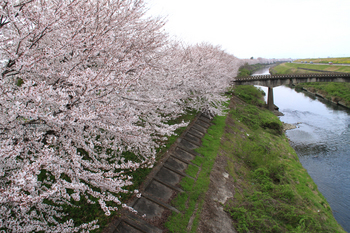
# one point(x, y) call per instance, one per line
point(272, 81)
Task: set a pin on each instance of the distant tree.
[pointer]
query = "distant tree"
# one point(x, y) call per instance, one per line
point(252, 58)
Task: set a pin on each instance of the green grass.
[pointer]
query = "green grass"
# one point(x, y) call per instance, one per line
point(191, 201)
point(274, 193)
point(252, 115)
point(336, 92)
point(192, 170)
point(250, 94)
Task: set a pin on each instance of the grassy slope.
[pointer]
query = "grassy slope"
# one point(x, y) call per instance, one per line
point(274, 192)
point(337, 92)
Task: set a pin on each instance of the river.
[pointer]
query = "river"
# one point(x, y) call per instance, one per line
point(322, 142)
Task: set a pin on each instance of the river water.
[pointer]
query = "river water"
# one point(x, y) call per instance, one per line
point(322, 142)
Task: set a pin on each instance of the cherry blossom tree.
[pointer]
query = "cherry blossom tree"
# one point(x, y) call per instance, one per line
point(200, 75)
point(73, 113)
point(84, 82)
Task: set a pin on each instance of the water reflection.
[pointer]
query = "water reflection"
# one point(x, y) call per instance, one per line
point(322, 142)
point(263, 71)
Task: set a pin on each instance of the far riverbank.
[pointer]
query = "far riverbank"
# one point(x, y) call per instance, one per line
point(337, 93)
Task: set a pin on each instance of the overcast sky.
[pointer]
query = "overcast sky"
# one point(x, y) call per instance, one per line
point(261, 28)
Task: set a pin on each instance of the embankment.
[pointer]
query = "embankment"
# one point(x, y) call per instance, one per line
point(273, 192)
point(331, 93)
point(243, 177)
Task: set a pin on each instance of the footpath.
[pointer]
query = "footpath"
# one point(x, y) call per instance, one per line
point(162, 185)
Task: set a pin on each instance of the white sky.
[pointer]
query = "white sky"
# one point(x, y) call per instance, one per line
point(261, 28)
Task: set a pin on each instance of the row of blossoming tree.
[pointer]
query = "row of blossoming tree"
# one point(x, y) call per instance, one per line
point(83, 82)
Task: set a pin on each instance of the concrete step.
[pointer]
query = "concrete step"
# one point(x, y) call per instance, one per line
point(177, 164)
point(200, 128)
point(133, 224)
point(196, 133)
point(192, 138)
point(155, 202)
point(188, 144)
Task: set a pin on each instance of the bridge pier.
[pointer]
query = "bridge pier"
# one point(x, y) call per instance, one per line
point(270, 104)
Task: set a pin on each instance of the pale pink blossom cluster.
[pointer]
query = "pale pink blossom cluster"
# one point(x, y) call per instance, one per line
point(84, 82)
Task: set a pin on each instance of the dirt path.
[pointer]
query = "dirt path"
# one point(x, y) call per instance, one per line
point(221, 189)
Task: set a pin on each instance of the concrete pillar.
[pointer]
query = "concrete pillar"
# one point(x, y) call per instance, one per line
point(270, 104)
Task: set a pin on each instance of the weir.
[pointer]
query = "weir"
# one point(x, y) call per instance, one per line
point(272, 81)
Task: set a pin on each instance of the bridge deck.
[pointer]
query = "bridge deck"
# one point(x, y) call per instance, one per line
point(302, 76)
point(272, 81)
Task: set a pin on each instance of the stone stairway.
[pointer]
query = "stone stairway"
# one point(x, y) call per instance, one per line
point(162, 184)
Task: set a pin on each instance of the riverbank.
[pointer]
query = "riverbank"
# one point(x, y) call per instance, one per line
point(273, 192)
point(257, 183)
point(244, 177)
point(337, 93)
